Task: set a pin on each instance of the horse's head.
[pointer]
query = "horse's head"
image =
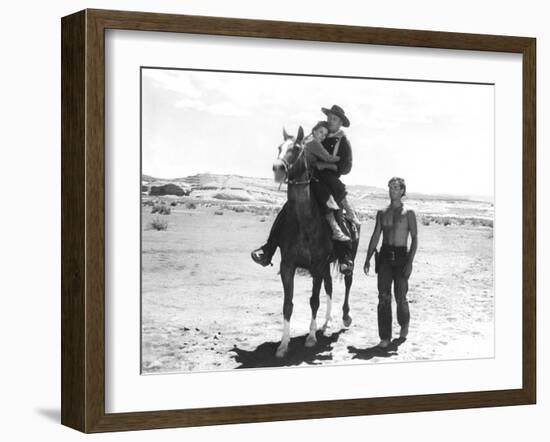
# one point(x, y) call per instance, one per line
point(288, 165)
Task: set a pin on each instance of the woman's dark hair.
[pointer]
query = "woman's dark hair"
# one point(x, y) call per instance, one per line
point(320, 124)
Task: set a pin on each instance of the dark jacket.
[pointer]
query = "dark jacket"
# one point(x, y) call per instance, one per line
point(344, 151)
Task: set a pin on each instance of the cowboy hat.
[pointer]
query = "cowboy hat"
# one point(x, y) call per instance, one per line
point(339, 112)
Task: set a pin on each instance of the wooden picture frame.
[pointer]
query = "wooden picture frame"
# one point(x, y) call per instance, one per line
point(83, 220)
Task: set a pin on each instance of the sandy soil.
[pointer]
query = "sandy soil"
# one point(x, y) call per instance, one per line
point(207, 306)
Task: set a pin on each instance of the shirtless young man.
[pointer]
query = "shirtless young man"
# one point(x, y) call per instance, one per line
point(396, 223)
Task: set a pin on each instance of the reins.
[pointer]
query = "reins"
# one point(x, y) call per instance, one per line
point(290, 166)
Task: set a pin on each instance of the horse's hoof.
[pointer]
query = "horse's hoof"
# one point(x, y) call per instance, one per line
point(311, 341)
point(347, 321)
point(281, 352)
point(326, 327)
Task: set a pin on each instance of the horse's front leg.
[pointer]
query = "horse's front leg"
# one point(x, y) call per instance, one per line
point(311, 339)
point(348, 279)
point(328, 289)
point(287, 277)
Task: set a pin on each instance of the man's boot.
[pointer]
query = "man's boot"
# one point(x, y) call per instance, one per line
point(350, 212)
point(337, 233)
point(264, 254)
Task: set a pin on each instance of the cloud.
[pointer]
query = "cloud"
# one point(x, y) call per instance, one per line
point(219, 108)
point(172, 81)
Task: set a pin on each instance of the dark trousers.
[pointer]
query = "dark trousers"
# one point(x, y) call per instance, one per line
point(276, 229)
point(321, 193)
point(392, 262)
point(331, 180)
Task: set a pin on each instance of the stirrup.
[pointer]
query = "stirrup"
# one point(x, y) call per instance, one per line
point(346, 268)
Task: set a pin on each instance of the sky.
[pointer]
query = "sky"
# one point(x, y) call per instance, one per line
point(438, 136)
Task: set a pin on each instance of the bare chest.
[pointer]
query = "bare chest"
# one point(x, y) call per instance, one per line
point(394, 219)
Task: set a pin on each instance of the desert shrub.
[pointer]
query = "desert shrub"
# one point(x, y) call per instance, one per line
point(161, 209)
point(148, 203)
point(191, 205)
point(173, 203)
point(262, 220)
point(426, 221)
point(365, 216)
point(218, 212)
point(446, 221)
point(158, 224)
point(237, 209)
point(486, 222)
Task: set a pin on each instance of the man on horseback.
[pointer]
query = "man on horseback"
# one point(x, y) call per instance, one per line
point(320, 160)
point(327, 174)
point(306, 240)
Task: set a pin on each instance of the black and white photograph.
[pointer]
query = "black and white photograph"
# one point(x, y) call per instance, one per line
point(292, 220)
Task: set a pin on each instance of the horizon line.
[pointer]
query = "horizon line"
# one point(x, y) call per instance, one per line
point(443, 194)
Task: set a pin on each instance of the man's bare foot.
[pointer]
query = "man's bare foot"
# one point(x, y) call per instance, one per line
point(384, 343)
point(404, 331)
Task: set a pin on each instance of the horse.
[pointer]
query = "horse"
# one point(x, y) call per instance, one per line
point(306, 241)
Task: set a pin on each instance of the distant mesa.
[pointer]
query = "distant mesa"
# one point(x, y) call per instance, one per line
point(248, 190)
point(210, 186)
point(148, 178)
point(168, 189)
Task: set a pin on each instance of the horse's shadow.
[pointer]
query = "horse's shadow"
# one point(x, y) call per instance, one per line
point(298, 353)
point(376, 352)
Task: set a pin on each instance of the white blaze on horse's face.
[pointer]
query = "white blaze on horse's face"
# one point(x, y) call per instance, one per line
point(284, 147)
point(279, 166)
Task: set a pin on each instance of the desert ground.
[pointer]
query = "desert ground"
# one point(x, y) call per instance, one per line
point(206, 306)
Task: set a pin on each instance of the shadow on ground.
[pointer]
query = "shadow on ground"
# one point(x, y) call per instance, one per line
point(298, 353)
point(376, 352)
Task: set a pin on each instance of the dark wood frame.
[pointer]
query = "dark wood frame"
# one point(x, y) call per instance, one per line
point(83, 220)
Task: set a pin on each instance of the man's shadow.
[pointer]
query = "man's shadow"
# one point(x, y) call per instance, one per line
point(376, 352)
point(298, 353)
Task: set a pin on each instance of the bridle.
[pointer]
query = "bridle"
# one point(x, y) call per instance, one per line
point(288, 167)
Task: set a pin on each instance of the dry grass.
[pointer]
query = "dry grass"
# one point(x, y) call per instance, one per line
point(161, 209)
point(158, 224)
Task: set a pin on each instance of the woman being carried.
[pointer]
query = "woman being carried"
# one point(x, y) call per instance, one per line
point(321, 190)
